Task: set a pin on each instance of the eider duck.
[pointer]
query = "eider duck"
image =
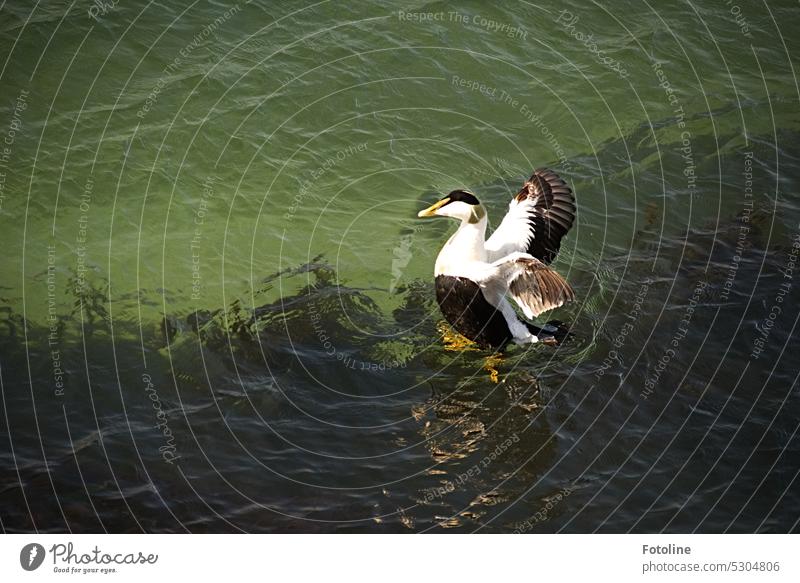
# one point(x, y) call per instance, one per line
point(475, 276)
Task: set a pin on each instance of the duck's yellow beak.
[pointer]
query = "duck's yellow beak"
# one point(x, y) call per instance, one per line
point(431, 210)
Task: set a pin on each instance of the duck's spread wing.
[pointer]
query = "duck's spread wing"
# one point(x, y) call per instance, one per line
point(538, 218)
point(534, 286)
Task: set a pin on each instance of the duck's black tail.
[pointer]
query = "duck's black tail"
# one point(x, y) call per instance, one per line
point(551, 330)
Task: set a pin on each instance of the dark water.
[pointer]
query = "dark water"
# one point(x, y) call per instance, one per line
point(217, 303)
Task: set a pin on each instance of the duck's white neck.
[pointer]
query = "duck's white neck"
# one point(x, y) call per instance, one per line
point(466, 246)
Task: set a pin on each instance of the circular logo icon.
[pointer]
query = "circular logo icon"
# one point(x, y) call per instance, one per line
point(31, 556)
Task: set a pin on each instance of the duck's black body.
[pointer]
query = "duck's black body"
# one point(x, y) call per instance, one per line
point(464, 307)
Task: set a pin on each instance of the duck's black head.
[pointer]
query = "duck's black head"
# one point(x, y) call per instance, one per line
point(463, 196)
point(459, 204)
